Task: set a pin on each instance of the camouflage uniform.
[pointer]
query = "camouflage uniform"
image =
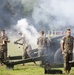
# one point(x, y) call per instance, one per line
point(4, 47)
point(68, 51)
point(42, 46)
point(1, 51)
point(26, 48)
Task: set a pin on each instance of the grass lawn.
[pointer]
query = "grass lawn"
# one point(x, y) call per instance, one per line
point(28, 69)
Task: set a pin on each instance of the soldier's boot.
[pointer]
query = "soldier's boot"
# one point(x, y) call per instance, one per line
point(35, 63)
point(2, 64)
point(68, 72)
point(23, 64)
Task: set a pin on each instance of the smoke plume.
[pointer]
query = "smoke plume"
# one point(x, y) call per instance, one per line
point(40, 14)
point(28, 30)
point(55, 14)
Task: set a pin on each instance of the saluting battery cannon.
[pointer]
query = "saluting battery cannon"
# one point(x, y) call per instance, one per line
point(15, 60)
point(11, 61)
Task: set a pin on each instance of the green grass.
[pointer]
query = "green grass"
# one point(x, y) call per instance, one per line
point(28, 69)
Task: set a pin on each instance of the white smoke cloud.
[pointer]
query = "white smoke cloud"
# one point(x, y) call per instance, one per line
point(48, 13)
point(54, 13)
point(29, 5)
point(28, 30)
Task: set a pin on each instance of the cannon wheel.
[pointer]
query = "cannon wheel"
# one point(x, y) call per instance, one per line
point(58, 56)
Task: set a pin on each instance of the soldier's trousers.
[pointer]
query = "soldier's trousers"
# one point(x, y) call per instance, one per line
point(42, 52)
point(26, 53)
point(5, 54)
point(1, 56)
point(67, 57)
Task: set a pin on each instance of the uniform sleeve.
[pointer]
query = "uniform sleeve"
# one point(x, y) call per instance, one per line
point(73, 39)
point(7, 38)
point(37, 41)
point(1, 42)
point(62, 40)
point(46, 40)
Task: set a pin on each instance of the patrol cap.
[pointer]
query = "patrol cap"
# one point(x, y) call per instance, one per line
point(42, 32)
point(69, 30)
point(3, 31)
point(20, 33)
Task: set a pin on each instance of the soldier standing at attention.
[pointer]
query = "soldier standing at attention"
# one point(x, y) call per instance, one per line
point(42, 44)
point(3, 45)
point(67, 50)
point(1, 51)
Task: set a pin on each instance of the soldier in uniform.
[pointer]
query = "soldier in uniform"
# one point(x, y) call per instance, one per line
point(67, 50)
point(42, 46)
point(26, 46)
point(1, 51)
point(3, 45)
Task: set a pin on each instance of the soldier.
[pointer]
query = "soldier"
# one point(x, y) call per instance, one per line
point(1, 51)
point(67, 50)
point(26, 46)
point(3, 45)
point(42, 46)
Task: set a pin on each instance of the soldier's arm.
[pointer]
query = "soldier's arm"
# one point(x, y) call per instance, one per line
point(18, 40)
point(20, 43)
point(73, 41)
point(47, 40)
point(7, 39)
point(38, 41)
point(62, 46)
point(1, 44)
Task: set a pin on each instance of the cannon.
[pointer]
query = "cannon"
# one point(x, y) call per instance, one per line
point(15, 60)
